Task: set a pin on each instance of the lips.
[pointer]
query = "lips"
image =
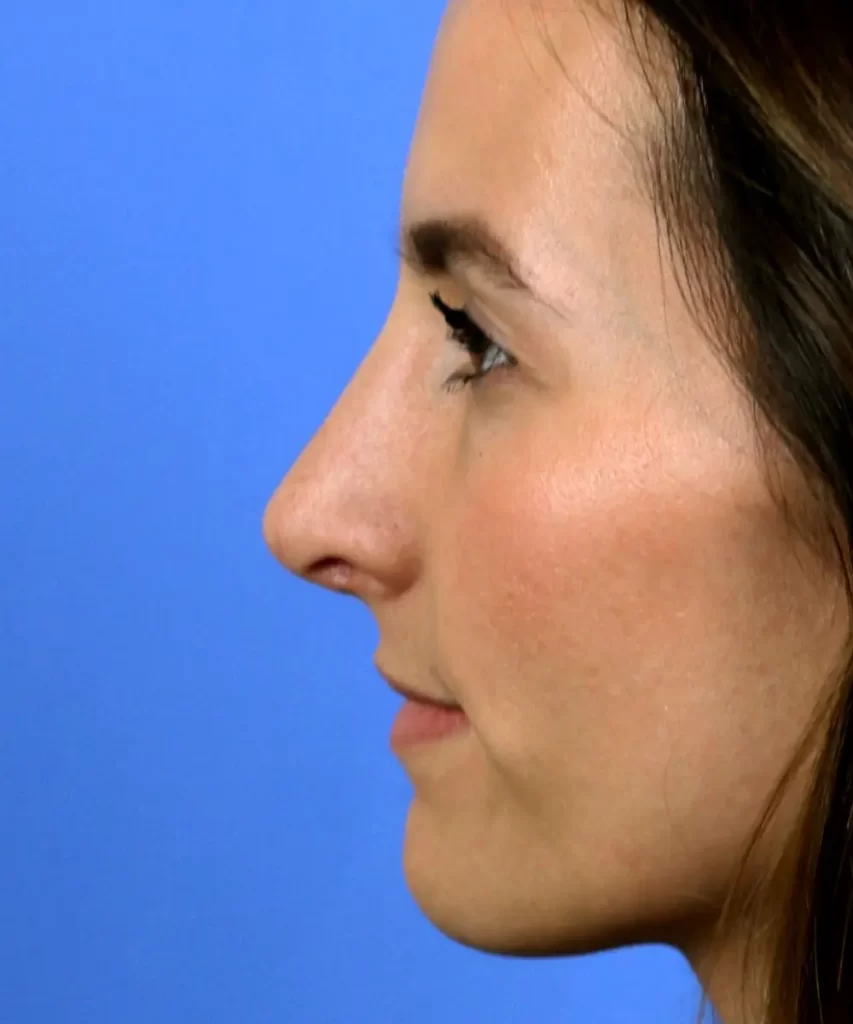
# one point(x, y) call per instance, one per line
point(423, 720)
point(419, 724)
point(417, 696)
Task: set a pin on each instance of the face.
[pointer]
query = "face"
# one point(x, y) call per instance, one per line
point(578, 549)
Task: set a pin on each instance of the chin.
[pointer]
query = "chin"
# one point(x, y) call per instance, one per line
point(492, 914)
point(473, 897)
point(493, 927)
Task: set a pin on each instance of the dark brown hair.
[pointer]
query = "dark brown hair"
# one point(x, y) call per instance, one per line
point(750, 170)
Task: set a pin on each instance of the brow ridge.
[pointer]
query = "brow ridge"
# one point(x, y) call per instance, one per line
point(433, 245)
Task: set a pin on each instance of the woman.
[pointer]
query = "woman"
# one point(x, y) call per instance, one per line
point(606, 528)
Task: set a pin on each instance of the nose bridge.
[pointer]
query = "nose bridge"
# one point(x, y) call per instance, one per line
point(345, 508)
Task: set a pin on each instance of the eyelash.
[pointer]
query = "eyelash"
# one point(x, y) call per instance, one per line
point(474, 340)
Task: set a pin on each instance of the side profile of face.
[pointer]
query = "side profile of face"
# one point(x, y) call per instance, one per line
point(578, 549)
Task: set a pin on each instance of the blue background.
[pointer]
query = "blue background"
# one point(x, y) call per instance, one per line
point(201, 819)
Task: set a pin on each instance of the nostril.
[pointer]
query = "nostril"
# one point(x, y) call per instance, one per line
point(334, 573)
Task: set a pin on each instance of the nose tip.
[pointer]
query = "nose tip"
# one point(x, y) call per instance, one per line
point(268, 526)
point(287, 533)
point(333, 573)
point(280, 541)
point(341, 515)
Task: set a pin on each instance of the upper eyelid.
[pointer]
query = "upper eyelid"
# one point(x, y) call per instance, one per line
point(471, 321)
point(447, 311)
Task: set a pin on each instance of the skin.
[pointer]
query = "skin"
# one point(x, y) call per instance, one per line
point(580, 551)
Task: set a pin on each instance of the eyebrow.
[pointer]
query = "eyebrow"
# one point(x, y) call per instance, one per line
point(432, 246)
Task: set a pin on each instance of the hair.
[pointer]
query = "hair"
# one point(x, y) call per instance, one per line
point(750, 169)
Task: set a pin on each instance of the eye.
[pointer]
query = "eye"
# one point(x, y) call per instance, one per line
point(475, 342)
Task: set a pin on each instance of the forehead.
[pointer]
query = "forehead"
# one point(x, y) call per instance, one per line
point(526, 119)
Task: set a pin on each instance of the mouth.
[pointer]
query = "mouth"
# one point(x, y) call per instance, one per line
point(419, 698)
point(416, 695)
point(418, 723)
point(423, 719)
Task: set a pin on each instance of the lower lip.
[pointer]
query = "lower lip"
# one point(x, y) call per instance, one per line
point(424, 723)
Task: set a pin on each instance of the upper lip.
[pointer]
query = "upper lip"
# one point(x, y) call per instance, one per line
point(410, 694)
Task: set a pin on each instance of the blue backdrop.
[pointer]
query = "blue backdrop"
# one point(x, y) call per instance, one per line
point(202, 821)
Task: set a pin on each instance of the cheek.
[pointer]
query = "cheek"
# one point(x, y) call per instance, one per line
point(612, 615)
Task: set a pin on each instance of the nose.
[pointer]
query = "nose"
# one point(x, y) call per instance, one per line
point(344, 514)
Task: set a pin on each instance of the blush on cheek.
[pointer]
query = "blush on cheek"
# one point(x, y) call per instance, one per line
point(614, 626)
point(587, 579)
point(532, 555)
